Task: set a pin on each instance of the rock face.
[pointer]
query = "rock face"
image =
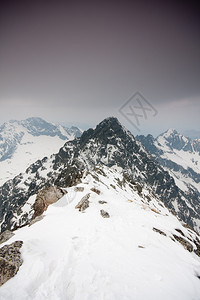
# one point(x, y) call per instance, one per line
point(45, 197)
point(188, 246)
point(84, 203)
point(102, 202)
point(5, 236)
point(96, 191)
point(104, 214)
point(10, 261)
point(78, 189)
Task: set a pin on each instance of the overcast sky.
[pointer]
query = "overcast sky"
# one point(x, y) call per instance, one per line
point(81, 62)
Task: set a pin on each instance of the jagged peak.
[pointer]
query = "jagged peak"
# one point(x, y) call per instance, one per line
point(109, 120)
point(170, 132)
point(115, 125)
point(106, 129)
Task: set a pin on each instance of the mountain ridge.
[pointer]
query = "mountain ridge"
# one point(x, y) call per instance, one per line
point(122, 240)
point(109, 144)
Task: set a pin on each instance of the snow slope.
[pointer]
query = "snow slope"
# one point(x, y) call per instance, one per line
point(187, 156)
point(81, 255)
point(24, 142)
point(180, 157)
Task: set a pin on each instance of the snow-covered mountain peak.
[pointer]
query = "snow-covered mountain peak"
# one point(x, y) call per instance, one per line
point(170, 132)
point(180, 156)
point(109, 131)
point(109, 144)
point(24, 142)
point(172, 139)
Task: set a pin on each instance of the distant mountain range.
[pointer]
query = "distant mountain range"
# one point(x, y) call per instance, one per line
point(24, 142)
point(180, 156)
point(111, 145)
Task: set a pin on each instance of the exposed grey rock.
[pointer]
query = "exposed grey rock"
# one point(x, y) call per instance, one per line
point(95, 191)
point(45, 197)
point(113, 186)
point(159, 231)
point(197, 244)
point(10, 261)
point(5, 236)
point(184, 242)
point(180, 231)
point(139, 188)
point(37, 219)
point(84, 203)
point(78, 189)
point(102, 202)
point(104, 214)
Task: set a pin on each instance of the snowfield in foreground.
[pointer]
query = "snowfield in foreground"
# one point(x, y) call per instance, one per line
point(71, 254)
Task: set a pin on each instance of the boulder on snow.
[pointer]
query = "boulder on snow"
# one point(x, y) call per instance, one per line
point(102, 202)
point(84, 203)
point(159, 231)
point(78, 189)
point(5, 236)
point(104, 214)
point(45, 197)
point(10, 261)
point(95, 191)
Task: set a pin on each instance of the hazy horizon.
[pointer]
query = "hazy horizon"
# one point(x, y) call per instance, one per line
point(79, 63)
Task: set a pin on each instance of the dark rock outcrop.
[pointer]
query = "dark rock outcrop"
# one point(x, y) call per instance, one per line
point(159, 231)
point(84, 203)
point(45, 197)
point(188, 246)
point(78, 189)
point(95, 191)
point(10, 261)
point(104, 214)
point(5, 236)
point(102, 202)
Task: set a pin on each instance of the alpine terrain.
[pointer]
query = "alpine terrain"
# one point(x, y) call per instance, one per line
point(108, 144)
point(104, 239)
point(24, 142)
point(99, 219)
point(180, 156)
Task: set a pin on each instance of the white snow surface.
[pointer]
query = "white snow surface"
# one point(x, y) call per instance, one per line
point(186, 159)
point(29, 149)
point(82, 256)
